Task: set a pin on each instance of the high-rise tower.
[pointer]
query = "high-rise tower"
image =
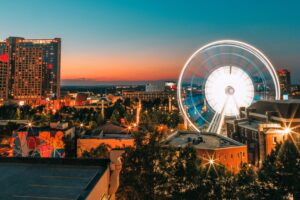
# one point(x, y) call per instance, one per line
point(284, 80)
point(31, 67)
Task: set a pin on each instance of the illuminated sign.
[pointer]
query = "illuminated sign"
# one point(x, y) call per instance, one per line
point(4, 58)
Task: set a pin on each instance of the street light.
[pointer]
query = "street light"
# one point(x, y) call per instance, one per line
point(286, 130)
point(211, 161)
point(21, 103)
point(160, 128)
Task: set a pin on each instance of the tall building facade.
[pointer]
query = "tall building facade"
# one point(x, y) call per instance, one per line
point(4, 71)
point(31, 69)
point(284, 76)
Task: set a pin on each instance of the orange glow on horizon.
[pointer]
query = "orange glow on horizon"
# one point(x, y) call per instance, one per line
point(120, 67)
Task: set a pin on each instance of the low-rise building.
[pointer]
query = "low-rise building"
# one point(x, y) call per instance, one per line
point(212, 148)
point(155, 87)
point(112, 135)
point(147, 96)
point(48, 178)
point(264, 124)
point(38, 142)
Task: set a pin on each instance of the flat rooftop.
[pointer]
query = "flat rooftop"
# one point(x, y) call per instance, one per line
point(202, 140)
point(285, 109)
point(252, 125)
point(109, 131)
point(49, 179)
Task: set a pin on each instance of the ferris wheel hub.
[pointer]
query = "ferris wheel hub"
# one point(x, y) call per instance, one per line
point(229, 90)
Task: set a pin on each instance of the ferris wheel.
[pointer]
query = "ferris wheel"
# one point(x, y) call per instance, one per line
point(219, 79)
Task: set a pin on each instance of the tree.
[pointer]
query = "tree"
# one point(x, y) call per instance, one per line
point(246, 183)
point(127, 103)
point(155, 171)
point(115, 117)
point(102, 151)
point(281, 170)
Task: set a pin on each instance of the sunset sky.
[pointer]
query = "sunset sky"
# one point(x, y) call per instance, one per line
point(137, 40)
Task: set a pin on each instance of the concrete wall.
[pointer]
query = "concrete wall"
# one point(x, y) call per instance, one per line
point(100, 191)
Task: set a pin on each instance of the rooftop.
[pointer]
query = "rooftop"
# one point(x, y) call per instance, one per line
point(202, 140)
point(252, 125)
point(109, 130)
point(35, 130)
point(61, 179)
point(286, 109)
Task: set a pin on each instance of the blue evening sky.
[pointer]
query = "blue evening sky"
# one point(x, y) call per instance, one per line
point(152, 28)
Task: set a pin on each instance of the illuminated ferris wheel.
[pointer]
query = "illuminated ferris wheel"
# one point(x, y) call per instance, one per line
point(221, 77)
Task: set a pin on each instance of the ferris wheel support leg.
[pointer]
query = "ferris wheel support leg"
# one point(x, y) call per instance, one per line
point(218, 119)
point(210, 127)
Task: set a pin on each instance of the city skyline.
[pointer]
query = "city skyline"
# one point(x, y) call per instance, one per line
point(126, 41)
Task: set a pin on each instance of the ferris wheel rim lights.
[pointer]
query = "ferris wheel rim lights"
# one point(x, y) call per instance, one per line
point(247, 47)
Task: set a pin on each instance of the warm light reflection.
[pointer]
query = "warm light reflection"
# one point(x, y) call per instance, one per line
point(211, 161)
point(292, 130)
point(287, 130)
point(29, 124)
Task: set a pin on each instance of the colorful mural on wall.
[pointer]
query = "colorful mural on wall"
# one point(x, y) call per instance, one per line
point(44, 144)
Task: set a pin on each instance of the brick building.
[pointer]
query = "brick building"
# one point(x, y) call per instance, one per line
point(212, 147)
point(263, 125)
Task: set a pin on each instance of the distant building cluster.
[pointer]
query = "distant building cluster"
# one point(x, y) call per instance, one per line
point(160, 86)
point(288, 90)
point(30, 69)
point(284, 76)
point(159, 90)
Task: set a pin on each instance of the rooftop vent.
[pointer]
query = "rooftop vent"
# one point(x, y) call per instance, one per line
point(198, 140)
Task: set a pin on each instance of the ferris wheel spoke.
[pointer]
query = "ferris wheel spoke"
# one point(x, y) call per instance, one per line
point(218, 119)
point(237, 116)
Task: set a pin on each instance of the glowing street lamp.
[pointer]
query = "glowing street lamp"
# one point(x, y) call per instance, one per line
point(21, 103)
point(29, 124)
point(286, 130)
point(211, 161)
point(81, 125)
point(160, 128)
